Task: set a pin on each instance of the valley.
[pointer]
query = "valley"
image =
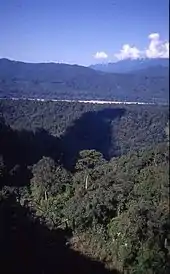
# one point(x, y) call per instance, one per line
point(83, 176)
point(84, 137)
point(79, 101)
point(52, 81)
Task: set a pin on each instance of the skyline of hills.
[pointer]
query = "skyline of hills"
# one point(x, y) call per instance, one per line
point(64, 81)
point(131, 66)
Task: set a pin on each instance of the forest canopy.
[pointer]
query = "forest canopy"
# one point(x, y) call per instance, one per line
point(84, 188)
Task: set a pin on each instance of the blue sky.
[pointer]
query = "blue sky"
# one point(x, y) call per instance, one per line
point(74, 31)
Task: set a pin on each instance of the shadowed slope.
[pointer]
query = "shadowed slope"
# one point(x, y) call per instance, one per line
point(26, 246)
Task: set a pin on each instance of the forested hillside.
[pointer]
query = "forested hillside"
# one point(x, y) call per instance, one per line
point(63, 81)
point(112, 130)
point(83, 188)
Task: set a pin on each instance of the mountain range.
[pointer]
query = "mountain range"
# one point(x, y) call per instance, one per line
point(132, 66)
point(64, 81)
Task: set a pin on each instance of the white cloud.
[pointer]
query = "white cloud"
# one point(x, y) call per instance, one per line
point(101, 55)
point(154, 36)
point(156, 49)
point(128, 52)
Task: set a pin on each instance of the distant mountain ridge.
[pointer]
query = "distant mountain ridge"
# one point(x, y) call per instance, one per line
point(153, 71)
point(74, 82)
point(40, 71)
point(130, 66)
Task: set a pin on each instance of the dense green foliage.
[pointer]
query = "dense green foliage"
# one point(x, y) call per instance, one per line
point(62, 81)
point(116, 208)
point(71, 127)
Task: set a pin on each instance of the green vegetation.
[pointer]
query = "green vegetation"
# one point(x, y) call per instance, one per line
point(97, 175)
point(67, 128)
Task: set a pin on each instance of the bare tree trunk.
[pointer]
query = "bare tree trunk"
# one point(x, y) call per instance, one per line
point(86, 182)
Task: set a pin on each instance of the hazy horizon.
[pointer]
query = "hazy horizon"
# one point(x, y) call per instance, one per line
point(98, 63)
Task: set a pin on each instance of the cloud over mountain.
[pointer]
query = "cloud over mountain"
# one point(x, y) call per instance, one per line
point(100, 55)
point(157, 48)
point(128, 52)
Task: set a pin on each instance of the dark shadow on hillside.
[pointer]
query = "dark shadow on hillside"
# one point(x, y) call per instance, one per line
point(91, 131)
point(26, 246)
point(26, 147)
point(21, 149)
